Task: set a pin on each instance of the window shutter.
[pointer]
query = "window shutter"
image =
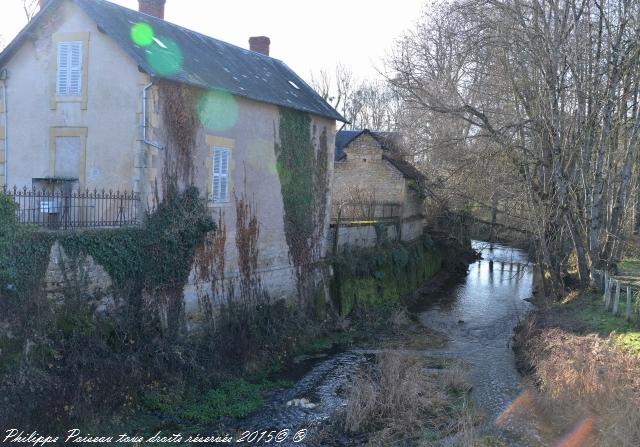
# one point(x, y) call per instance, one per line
point(62, 86)
point(75, 69)
point(69, 75)
point(221, 174)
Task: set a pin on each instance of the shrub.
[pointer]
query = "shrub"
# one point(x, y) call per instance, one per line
point(585, 378)
point(393, 396)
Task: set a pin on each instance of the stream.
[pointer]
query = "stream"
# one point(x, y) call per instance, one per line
point(478, 314)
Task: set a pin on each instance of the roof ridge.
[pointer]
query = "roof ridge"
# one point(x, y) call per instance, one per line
point(204, 61)
point(186, 29)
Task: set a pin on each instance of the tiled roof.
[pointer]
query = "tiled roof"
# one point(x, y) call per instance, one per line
point(188, 57)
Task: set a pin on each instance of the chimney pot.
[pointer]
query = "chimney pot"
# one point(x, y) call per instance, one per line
point(260, 44)
point(152, 7)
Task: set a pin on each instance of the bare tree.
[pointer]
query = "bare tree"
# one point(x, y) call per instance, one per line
point(364, 104)
point(542, 95)
point(30, 8)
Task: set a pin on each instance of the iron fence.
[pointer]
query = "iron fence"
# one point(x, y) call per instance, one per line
point(68, 209)
point(366, 211)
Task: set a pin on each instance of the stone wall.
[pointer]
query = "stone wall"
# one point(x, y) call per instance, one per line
point(365, 175)
point(365, 170)
point(84, 275)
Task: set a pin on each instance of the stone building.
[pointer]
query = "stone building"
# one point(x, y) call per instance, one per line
point(89, 91)
point(374, 188)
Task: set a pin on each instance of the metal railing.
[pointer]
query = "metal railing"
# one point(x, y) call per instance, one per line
point(67, 209)
point(366, 211)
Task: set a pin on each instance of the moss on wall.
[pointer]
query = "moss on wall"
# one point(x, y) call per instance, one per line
point(382, 275)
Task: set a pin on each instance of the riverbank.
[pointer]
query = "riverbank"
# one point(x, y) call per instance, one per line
point(305, 382)
point(584, 367)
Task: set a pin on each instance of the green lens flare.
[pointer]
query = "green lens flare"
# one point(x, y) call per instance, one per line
point(217, 110)
point(164, 56)
point(142, 34)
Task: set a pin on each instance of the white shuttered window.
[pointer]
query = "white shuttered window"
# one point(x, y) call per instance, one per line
point(221, 174)
point(69, 75)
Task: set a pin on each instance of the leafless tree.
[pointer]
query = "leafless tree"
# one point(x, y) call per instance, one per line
point(541, 98)
point(365, 104)
point(30, 8)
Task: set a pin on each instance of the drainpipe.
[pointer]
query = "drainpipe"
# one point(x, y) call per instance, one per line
point(144, 118)
point(3, 77)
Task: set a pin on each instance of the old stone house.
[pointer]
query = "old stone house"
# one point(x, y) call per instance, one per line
point(97, 96)
point(374, 188)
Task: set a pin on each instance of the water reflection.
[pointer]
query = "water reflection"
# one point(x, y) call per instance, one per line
point(479, 315)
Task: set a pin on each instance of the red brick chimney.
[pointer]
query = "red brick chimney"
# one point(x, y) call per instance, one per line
point(151, 7)
point(260, 44)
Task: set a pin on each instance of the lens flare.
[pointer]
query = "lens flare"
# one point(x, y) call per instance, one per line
point(142, 34)
point(579, 435)
point(524, 402)
point(164, 56)
point(217, 110)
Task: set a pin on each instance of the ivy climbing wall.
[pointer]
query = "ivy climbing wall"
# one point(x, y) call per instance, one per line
point(304, 172)
point(276, 216)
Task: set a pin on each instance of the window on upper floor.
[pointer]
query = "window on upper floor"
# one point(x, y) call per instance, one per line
point(69, 69)
point(220, 179)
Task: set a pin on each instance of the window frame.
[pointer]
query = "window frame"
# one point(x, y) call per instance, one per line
point(61, 132)
point(70, 68)
point(82, 98)
point(214, 142)
point(220, 175)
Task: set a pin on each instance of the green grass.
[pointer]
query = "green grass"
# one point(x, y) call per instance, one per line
point(233, 399)
point(589, 311)
point(629, 267)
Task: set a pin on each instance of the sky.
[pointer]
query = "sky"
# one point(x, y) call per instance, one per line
point(308, 36)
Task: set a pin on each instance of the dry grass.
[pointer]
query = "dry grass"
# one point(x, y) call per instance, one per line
point(395, 400)
point(588, 389)
point(455, 380)
point(400, 319)
point(391, 396)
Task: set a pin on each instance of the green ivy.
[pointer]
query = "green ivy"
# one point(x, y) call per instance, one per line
point(24, 252)
point(159, 254)
point(295, 157)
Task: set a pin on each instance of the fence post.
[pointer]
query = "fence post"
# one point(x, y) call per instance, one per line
point(627, 313)
point(606, 288)
point(616, 301)
point(607, 295)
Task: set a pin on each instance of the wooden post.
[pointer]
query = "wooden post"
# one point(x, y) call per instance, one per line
point(616, 301)
point(627, 313)
point(605, 288)
point(607, 294)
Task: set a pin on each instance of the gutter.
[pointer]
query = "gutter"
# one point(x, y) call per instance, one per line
point(3, 77)
point(144, 118)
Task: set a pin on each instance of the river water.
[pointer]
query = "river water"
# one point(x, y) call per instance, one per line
point(477, 314)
